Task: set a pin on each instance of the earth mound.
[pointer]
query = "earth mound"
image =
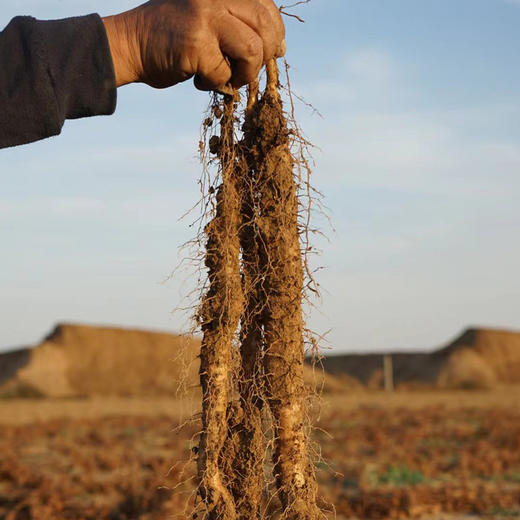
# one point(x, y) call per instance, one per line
point(82, 360)
point(477, 359)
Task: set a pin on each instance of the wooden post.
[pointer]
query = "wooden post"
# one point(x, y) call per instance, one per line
point(389, 372)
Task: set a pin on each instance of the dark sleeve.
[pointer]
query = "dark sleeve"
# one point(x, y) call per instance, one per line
point(51, 71)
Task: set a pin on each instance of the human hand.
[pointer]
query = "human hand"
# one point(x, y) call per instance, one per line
point(218, 42)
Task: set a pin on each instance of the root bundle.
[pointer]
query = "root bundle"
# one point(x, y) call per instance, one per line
point(252, 351)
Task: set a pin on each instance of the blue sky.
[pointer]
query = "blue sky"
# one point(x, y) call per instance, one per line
point(418, 157)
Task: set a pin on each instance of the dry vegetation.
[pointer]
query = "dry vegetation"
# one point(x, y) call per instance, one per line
point(399, 456)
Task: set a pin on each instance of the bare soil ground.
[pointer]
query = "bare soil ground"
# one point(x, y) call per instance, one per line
point(433, 456)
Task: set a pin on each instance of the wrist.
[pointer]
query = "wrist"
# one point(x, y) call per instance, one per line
point(123, 48)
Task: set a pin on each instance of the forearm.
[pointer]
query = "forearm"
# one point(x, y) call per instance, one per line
point(52, 71)
point(124, 48)
point(66, 69)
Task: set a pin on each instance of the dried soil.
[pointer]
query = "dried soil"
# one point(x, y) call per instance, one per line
point(422, 458)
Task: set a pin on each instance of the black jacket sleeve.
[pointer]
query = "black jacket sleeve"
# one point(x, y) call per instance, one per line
point(51, 71)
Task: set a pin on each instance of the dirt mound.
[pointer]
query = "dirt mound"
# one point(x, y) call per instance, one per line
point(467, 369)
point(81, 360)
point(496, 351)
point(78, 360)
point(478, 358)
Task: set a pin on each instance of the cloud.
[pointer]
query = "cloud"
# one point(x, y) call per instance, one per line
point(425, 152)
point(361, 74)
point(369, 65)
point(406, 147)
point(424, 200)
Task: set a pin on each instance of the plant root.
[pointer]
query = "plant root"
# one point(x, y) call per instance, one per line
point(219, 314)
point(283, 320)
point(252, 355)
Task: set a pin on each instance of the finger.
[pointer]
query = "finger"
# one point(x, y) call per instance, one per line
point(214, 71)
point(244, 48)
point(278, 21)
point(261, 20)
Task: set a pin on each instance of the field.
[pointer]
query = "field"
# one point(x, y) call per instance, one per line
point(405, 455)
